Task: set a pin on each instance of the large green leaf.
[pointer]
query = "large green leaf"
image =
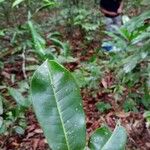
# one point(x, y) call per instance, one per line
point(57, 104)
point(103, 139)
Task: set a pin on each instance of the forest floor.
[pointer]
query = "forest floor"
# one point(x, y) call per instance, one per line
point(33, 139)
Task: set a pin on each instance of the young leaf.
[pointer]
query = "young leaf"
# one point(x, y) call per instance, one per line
point(39, 42)
point(17, 2)
point(103, 139)
point(57, 104)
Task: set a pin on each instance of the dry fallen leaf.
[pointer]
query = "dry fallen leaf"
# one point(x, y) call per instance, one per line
point(104, 83)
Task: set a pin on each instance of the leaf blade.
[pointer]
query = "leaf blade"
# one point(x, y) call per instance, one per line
point(104, 139)
point(17, 2)
point(58, 107)
point(18, 97)
point(117, 140)
point(1, 105)
point(99, 138)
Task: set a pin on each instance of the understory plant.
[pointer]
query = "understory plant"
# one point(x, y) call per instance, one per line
point(131, 63)
point(12, 115)
point(58, 107)
point(57, 49)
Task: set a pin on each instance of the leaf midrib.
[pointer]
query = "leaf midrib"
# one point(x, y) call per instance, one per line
point(57, 105)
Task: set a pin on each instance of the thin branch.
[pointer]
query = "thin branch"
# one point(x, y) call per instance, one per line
point(23, 64)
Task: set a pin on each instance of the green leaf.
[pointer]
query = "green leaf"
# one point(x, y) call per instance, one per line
point(1, 122)
point(101, 106)
point(18, 97)
point(39, 42)
point(57, 104)
point(103, 139)
point(2, 31)
point(2, 1)
point(48, 5)
point(17, 2)
point(130, 63)
point(147, 114)
point(63, 46)
point(1, 105)
point(99, 138)
point(136, 22)
point(19, 130)
point(3, 127)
